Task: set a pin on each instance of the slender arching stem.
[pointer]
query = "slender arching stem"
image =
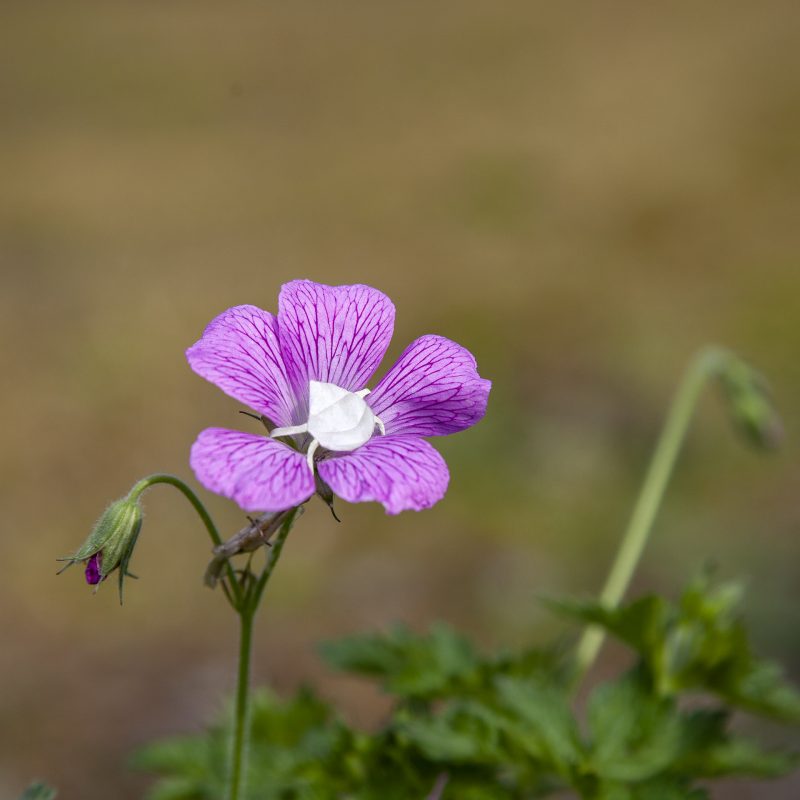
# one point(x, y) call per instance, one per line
point(247, 611)
point(707, 364)
point(171, 480)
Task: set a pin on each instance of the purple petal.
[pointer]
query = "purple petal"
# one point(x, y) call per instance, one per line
point(94, 570)
point(258, 473)
point(402, 472)
point(433, 389)
point(239, 352)
point(334, 334)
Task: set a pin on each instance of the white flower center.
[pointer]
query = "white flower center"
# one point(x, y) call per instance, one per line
point(337, 419)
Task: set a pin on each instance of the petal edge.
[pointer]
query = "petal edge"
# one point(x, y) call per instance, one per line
point(432, 390)
point(239, 352)
point(401, 472)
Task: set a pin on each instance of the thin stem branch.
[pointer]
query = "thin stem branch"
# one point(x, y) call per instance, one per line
point(171, 480)
point(705, 365)
point(272, 557)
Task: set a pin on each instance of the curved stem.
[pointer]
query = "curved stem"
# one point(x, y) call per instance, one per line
point(705, 365)
point(247, 611)
point(171, 480)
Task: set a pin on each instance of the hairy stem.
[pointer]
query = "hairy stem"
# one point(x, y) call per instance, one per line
point(707, 364)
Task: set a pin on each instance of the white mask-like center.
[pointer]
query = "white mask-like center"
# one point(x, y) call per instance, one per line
point(337, 419)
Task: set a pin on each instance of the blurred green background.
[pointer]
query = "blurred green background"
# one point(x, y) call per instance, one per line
point(580, 193)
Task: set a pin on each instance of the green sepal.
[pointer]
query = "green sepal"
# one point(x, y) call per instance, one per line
point(124, 519)
point(114, 536)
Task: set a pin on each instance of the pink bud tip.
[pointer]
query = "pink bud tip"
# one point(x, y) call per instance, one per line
point(93, 575)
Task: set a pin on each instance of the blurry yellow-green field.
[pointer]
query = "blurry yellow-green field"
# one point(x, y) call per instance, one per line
point(581, 193)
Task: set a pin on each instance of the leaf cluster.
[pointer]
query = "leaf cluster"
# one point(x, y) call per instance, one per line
point(504, 726)
point(39, 791)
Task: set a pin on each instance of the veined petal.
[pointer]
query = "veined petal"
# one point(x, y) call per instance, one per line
point(402, 472)
point(332, 334)
point(239, 352)
point(258, 473)
point(433, 389)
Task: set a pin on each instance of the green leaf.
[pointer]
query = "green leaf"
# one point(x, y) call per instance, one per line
point(39, 791)
point(698, 644)
point(640, 624)
point(545, 727)
point(635, 736)
point(297, 750)
point(659, 789)
point(464, 731)
point(759, 686)
point(740, 756)
point(179, 789)
point(408, 664)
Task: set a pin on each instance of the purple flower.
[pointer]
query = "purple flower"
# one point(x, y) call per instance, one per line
point(305, 371)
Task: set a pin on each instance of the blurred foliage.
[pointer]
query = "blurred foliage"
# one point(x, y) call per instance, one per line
point(39, 791)
point(701, 644)
point(579, 193)
point(503, 727)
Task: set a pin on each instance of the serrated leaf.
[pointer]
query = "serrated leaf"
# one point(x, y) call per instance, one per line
point(759, 686)
point(463, 731)
point(188, 754)
point(546, 728)
point(698, 644)
point(635, 736)
point(740, 756)
point(294, 752)
point(531, 663)
point(408, 664)
point(639, 624)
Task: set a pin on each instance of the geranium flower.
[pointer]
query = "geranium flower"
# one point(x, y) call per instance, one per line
point(306, 371)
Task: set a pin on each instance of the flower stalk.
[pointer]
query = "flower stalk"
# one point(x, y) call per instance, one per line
point(708, 364)
point(232, 589)
point(247, 611)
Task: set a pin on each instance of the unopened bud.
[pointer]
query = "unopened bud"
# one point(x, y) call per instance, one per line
point(750, 403)
point(110, 545)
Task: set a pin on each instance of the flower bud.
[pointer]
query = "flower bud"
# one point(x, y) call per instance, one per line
point(750, 404)
point(110, 544)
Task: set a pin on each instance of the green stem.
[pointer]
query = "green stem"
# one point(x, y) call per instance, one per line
point(707, 364)
point(272, 559)
point(247, 612)
point(171, 480)
point(241, 722)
